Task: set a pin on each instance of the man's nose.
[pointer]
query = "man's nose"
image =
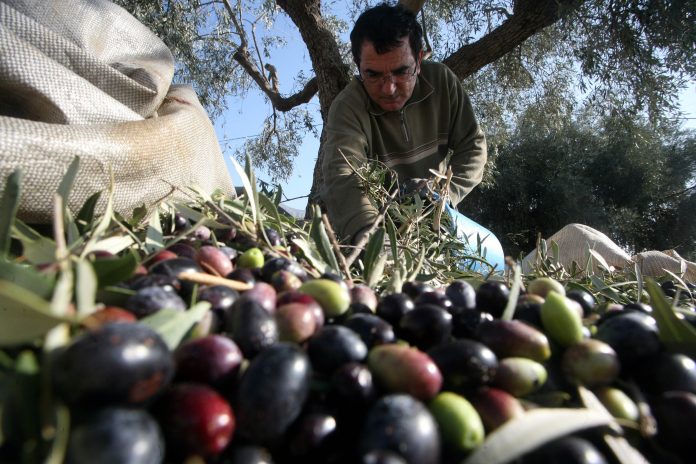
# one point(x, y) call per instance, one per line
point(388, 86)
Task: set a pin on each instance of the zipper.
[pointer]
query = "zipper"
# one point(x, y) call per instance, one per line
point(404, 127)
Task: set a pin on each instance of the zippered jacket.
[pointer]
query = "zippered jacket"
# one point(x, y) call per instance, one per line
point(438, 119)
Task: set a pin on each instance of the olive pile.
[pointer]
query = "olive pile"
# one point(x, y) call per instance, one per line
point(289, 367)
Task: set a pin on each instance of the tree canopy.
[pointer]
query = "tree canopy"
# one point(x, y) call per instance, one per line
point(527, 64)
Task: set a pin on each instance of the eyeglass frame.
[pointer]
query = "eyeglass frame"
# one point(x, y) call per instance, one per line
point(395, 78)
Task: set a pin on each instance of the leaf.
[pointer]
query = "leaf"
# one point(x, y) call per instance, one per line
point(375, 247)
point(63, 293)
point(85, 287)
point(154, 239)
point(265, 202)
point(676, 334)
point(112, 270)
point(555, 252)
point(321, 240)
point(509, 311)
point(8, 209)
point(605, 290)
point(173, 325)
point(113, 245)
point(623, 451)
point(36, 248)
point(27, 277)
point(247, 187)
point(531, 430)
point(66, 183)
point(86, 214)
point(103, 223)
point(600, 259)
point(391, 232)
point(377, 271)
point(138, 214)
point(25, 316)
point(639, 279)
point(310, 254)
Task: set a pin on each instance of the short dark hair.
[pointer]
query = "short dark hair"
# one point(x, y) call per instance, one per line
point(385, 25)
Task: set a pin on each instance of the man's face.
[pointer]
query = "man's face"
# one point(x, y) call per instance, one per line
point(389, 78)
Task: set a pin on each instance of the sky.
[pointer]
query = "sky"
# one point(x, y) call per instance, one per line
point(245, 117)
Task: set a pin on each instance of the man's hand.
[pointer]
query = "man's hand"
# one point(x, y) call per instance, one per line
point(422, 187)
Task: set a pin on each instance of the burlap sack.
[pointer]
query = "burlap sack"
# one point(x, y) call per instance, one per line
point(575, 239)
point(573, 242)
point(655, 263)
point(85, 78)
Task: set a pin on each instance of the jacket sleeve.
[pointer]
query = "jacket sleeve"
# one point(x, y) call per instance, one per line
point(349, 208)
point(468, 143)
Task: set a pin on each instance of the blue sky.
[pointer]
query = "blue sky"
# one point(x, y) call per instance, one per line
point(245, 118)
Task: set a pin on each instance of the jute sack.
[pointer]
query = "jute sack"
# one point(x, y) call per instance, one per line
point(574, 241)
point(85, 78)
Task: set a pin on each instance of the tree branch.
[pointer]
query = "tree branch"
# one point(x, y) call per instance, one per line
point(280, 103)
point(529, 18)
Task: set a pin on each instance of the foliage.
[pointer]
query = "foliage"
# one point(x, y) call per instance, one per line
point(624, 56)
point(616, 175)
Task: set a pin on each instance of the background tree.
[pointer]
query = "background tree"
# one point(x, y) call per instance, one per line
point(617, 175)
point(626, 58)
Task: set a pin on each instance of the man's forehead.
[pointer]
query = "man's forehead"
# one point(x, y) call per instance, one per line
point(394, 57)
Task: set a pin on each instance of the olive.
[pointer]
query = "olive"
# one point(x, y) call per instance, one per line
point(415, 288)
point(149, 300)
point(116, 435)
point(492, 297)
point(372, 329)
point(333, 346)
point(212, 360)
point(195, 419)
point(567, 450)
point(632, 334)
point(392, 307)
point(462, 294)
point(118, 363)
point(427, 325)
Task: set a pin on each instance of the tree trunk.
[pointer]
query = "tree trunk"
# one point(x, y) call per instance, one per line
point(332, 74)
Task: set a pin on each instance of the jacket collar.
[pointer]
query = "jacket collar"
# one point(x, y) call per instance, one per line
point(422, 90)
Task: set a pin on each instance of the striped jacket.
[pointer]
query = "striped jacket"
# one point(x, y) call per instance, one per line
point(436, 119)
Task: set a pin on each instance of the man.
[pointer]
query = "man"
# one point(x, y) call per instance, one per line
point(401, 111)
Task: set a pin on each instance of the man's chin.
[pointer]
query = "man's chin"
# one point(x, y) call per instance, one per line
point(391, 105)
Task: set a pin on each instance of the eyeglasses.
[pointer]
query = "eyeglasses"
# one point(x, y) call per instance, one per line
point(398, 77)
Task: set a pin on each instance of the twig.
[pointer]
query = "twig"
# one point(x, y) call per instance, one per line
point(336, 247)
point(360, 245)
point(208, 279)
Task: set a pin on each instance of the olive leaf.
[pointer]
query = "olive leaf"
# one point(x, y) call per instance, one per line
point(269, 205)
point(676, 334)
point(86, 214)
point(532, 430)
point(310, 254)
point(25, 316)
point(249, 188)
point(114, 269)
point(9, 203)
point(37, 249)
point(375, 248)
point(321, 240)
point(173, 325)
point(509, 310)
point(85, 287)
point(154, 238)
point(27, 277)
point(622, 450)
